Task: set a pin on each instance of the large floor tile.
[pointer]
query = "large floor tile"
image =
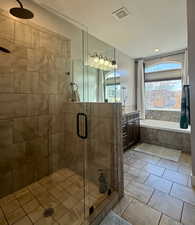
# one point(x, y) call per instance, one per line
point(139, 164)
point(156, 170)
point(145, 157)
point(139, 191)
point(140, 214)
point(113, 219)
point(185, 169)
point(165, 220)
point(184, 193)
point(122, 205)
point(137, 175)
point(188, 217)
point(166, 204)
point(159, 183)
point(176, 177)
point(168, 164)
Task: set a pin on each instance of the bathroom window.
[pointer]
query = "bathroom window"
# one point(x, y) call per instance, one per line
point(163, 95)
point(112, 93)
point(112, 87)
point(163, 86)
point(163, 67)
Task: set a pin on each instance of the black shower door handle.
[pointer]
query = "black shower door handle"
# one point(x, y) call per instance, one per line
point(79, 117)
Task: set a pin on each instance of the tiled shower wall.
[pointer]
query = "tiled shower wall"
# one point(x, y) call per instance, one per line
point(33, 89)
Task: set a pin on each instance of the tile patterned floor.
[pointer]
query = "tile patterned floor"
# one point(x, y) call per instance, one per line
point(157, 191)
point(63, 191)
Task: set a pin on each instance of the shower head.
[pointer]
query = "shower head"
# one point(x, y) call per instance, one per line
point(5, 50)
point(21, 12)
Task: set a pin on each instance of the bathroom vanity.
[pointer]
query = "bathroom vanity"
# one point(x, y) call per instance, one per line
point(130, 129)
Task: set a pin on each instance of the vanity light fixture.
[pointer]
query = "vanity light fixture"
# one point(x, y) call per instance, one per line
point(102, 62)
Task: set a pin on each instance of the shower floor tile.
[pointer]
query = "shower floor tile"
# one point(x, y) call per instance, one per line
point(63, 191)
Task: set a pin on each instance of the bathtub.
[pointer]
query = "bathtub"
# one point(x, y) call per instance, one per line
point(166, 134)
point(164, 125)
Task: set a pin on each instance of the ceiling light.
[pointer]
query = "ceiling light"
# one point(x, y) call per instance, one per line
point(157, 50)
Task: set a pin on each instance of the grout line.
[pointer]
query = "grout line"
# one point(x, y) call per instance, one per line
point(160, 218)
point(4, 214)
point(151, 196)
point(182, 212)
point(171, 189)
point(164, 172)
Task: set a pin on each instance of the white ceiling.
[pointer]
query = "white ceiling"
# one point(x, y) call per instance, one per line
point(151, 24)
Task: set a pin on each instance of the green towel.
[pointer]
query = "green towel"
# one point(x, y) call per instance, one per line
point(185, 107)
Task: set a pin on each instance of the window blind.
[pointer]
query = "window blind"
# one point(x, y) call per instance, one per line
point(163, 75)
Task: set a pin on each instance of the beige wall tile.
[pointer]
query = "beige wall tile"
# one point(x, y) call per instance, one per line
point(6, 83)
point(25, 129)
point(6, 186)
point(6, 133)
point(7, 27)
point(13, 105)
point(26, 82)
point(38, 104)
point(23, 175)
point(23, 34)
point(44, 125)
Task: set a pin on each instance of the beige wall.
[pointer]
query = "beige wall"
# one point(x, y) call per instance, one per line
point(191, 52)
point(127, 70)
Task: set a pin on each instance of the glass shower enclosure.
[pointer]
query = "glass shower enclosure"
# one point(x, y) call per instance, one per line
point(58, 146)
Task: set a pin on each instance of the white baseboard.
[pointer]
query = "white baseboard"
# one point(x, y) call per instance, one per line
point(193, 180)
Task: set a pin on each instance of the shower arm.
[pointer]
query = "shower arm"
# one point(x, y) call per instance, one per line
point(20, 3)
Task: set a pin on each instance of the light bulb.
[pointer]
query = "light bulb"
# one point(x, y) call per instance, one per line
point(110, 65)
point(106, 63)
point(101, 61)
point(96, 59)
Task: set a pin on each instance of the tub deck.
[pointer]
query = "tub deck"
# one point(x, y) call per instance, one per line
point(166, 134)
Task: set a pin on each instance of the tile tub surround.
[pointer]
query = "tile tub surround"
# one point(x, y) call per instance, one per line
point(159, 198)
point(166, 134)
point(33, 89)
point(163, 115)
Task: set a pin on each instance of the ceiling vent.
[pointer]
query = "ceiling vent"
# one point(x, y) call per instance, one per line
point(121, 13)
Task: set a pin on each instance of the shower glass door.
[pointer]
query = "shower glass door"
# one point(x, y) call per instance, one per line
point(42, 136)
point(99, 169)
